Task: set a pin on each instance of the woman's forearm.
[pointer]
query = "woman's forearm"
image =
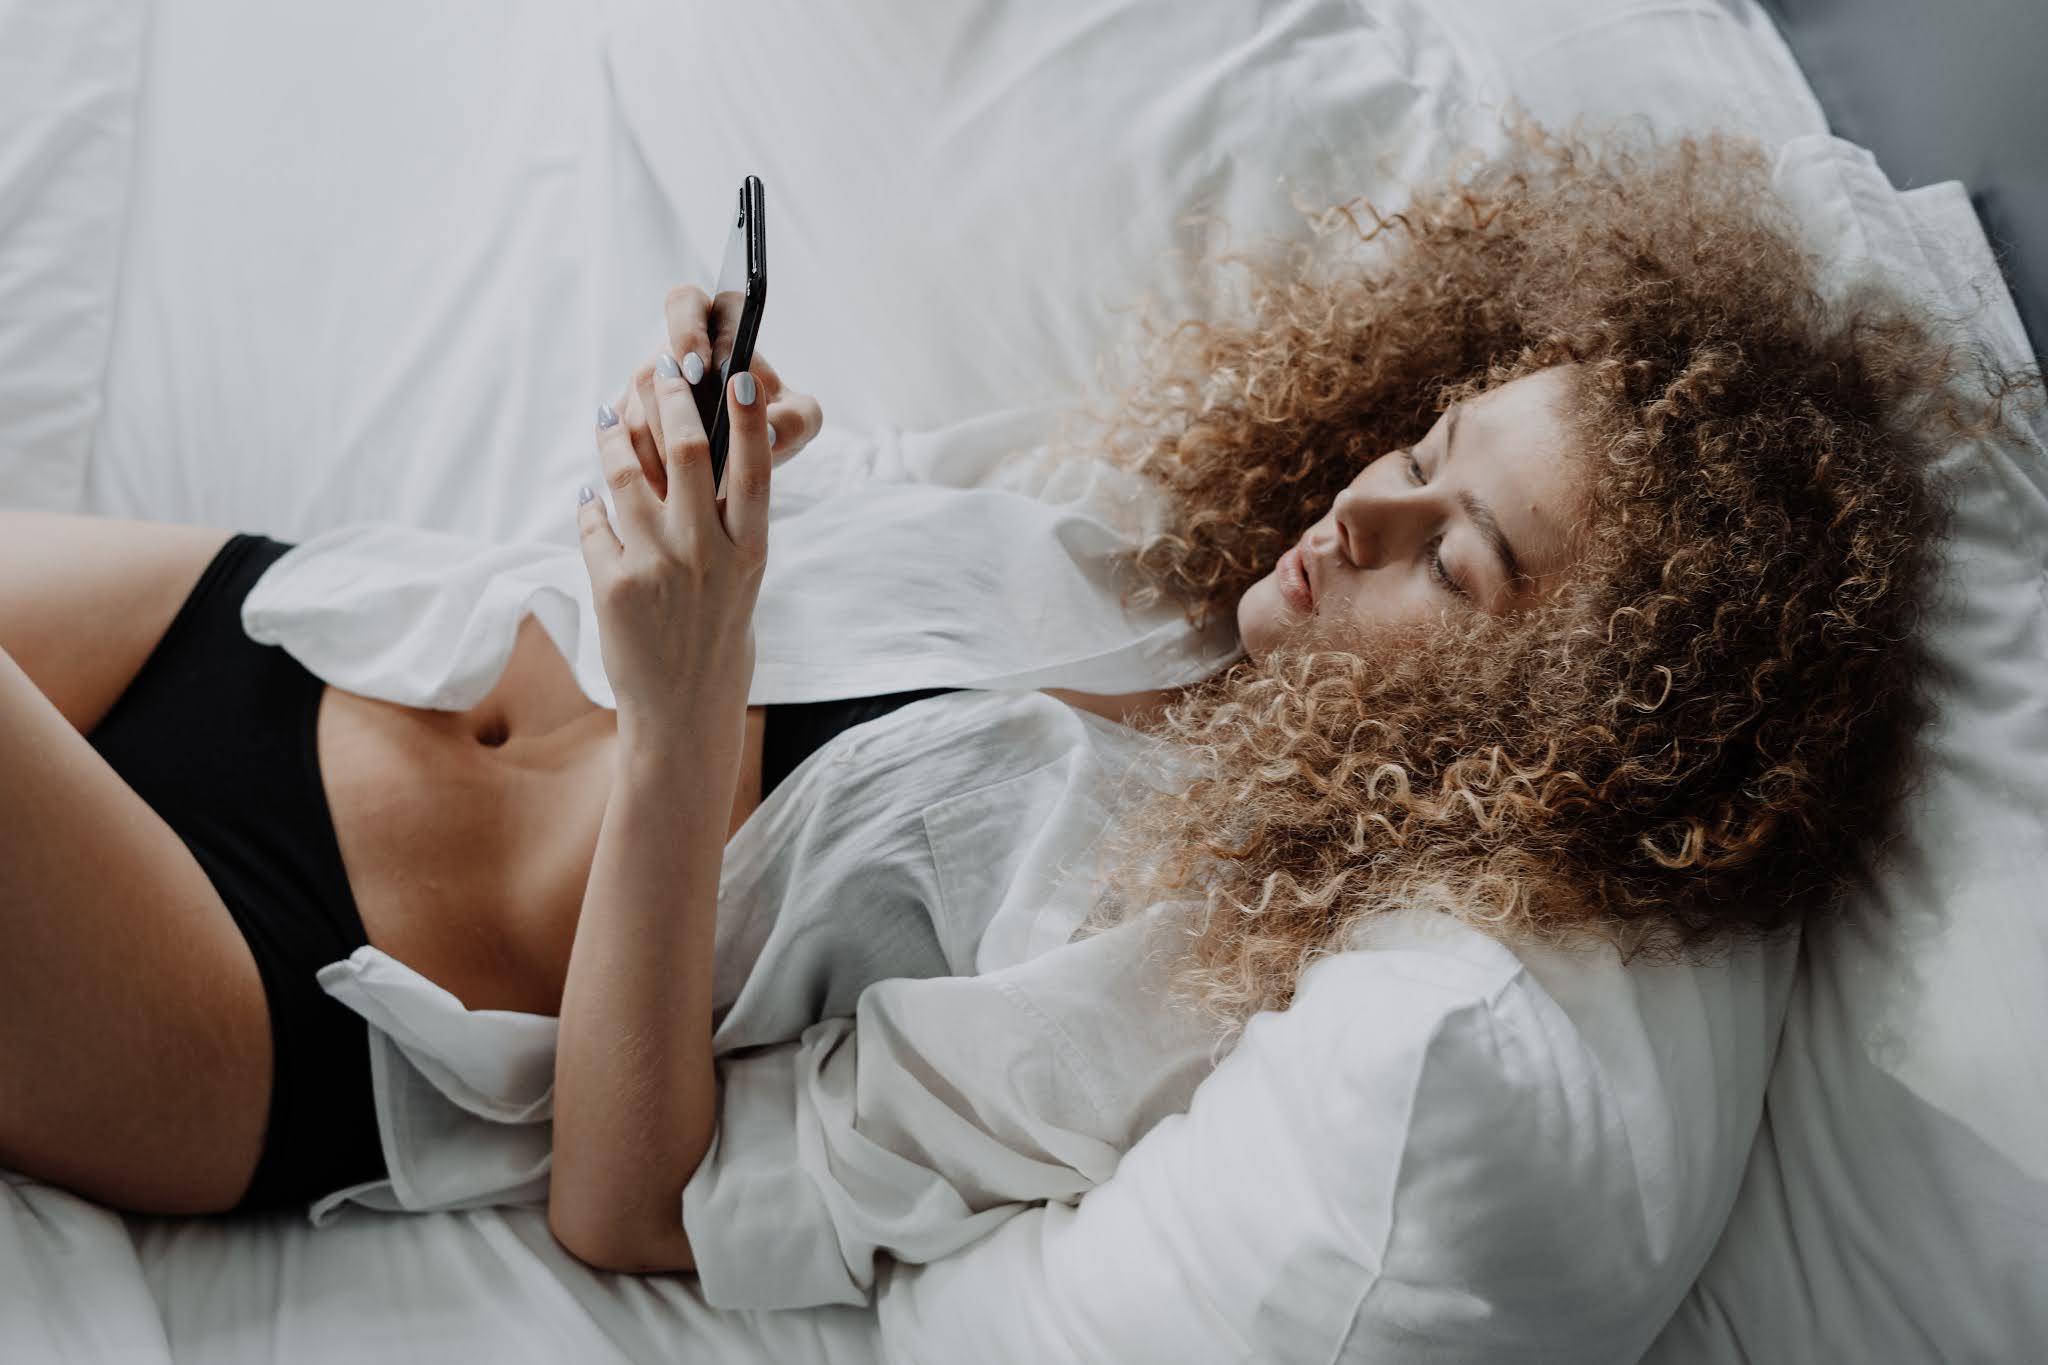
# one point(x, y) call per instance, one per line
point(636, 1094)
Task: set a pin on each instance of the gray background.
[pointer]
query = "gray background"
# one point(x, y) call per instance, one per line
point(1944, 90)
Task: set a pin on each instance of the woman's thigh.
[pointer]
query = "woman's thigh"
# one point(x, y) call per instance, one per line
point(83, 600)
point(134, 1034)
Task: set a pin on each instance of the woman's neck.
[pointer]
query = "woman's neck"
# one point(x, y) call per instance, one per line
point(1139, 710)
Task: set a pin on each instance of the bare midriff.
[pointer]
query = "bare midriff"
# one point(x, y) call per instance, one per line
point(468, 836)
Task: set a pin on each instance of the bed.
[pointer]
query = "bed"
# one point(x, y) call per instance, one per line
point(282, 268)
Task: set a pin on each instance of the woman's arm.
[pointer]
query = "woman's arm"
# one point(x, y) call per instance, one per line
point(636, 1094)
point(674, 584)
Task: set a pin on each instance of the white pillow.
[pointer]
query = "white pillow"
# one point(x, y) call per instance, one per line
point(68, 76)
point(1896, 1205)
point(964, 203)
point(1441, 1151)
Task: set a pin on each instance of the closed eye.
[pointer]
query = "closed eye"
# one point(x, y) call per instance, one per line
point(1436, 547)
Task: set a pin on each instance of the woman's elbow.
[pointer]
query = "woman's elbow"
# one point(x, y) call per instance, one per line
point(624, 1251)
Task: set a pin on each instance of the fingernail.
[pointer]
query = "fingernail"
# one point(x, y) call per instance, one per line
point(693, 367)
point(665, 366)
point(743, 389)
point(605, 416)
point(771, 435)
point(585, 494)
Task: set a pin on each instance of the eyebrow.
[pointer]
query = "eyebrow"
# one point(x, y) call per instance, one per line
point(1481, 514)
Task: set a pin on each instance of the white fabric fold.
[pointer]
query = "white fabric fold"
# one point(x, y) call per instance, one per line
point(942, 1108)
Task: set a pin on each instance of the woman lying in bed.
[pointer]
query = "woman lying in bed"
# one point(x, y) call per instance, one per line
point(1576, 555)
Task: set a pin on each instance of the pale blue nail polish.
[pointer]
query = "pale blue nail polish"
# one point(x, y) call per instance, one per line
point(693, 367)
point(605, 416)
point(743, 389)
point(771, 435)
point(585, 494)
point(665, 366)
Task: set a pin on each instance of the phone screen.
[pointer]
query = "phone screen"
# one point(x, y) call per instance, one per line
point(728, 300)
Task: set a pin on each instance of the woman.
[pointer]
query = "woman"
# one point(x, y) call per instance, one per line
point(1575, 549)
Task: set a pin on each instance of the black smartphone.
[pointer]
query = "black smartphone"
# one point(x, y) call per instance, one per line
point(736, 304)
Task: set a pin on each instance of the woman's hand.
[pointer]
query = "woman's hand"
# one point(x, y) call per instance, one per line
point(676, 581)
point(793, 417)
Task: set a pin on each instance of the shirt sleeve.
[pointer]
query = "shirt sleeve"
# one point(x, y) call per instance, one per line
point(944, 1107)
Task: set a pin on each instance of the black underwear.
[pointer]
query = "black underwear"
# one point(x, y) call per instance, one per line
point(217, 734)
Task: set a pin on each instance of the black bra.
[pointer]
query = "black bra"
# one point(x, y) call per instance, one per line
point(795, 731)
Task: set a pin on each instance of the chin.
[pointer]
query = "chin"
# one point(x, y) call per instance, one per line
point(1265, 620)
point(1262, 617)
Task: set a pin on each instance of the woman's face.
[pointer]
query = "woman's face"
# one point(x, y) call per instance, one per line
point(1487, 499)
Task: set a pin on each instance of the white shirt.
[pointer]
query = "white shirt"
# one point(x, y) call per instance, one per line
point(910, 1051)
point(967, 559)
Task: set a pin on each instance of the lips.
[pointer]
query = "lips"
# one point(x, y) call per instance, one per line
point(1294, 581)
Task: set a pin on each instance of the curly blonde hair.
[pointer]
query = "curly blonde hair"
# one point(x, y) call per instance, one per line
point(1702, 735)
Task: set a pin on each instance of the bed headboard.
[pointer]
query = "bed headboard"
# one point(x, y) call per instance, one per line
point(1953, 90)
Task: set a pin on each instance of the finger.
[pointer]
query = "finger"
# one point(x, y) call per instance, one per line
point(634, 502)
point(767, 377)
point(792, 423)
point(655, 460)
point(636, 410)
point(601, 548)
point(687, 310)
point(749, 465)
point(686, 454)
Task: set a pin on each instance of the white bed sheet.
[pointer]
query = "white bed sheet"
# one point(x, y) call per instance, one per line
point(380, 261)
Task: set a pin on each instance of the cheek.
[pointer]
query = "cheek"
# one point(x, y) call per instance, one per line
point(1390, 608)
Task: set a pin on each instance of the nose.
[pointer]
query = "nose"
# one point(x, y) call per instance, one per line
point(1378, 525)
